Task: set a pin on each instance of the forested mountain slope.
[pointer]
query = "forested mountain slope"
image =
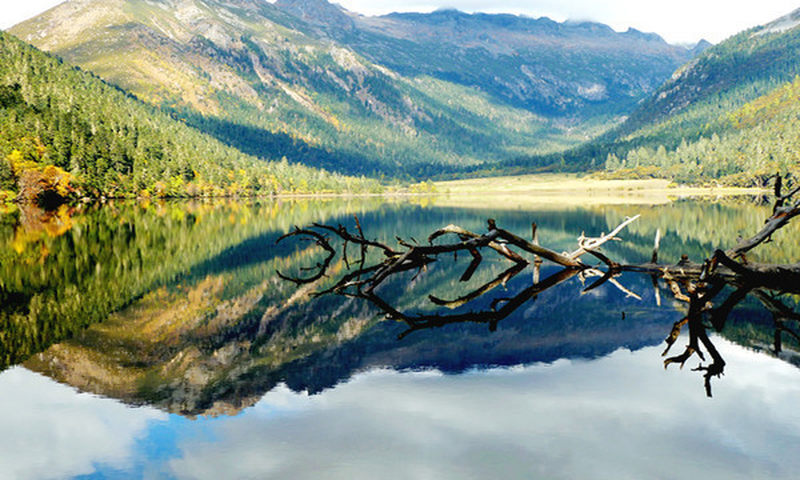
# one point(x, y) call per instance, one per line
point(730, 114)
point(67, 130)
point(400, 95)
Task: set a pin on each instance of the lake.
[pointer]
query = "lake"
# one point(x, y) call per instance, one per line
point(158, 340)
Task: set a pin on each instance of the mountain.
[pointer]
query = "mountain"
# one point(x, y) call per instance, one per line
point(700, 47)
point(573, 69)
point(320, 13)
point(65, 131)
point(729, 114)
point(399, 95)
point(738, 70)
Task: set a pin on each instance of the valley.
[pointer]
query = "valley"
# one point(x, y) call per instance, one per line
point(401, 96)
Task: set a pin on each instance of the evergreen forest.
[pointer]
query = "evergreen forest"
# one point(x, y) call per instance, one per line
point(66, 133)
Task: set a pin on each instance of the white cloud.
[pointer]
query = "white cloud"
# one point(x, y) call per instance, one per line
point(50, 431)
point(620, 417)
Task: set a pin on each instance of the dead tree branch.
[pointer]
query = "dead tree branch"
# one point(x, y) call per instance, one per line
point(698, 284)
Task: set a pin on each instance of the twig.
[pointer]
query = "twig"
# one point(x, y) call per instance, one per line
point(586, 244)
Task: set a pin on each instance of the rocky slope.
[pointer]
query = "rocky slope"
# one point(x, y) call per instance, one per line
point(573, 69)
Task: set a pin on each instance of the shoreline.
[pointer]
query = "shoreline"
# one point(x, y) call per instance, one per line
point(549, 183)
point(534, 189)
point(573, 190)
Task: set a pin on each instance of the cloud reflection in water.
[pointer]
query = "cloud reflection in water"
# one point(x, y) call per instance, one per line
point(49, 430)
point(617, 417)
point(620, 417)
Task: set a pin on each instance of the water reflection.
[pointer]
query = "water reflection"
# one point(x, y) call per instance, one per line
point(569, 419)
point(178, 308)
point(62, 271)
point(709, 307)
point(207, 326)
point(617, 415)
point(50, 431)
point(703, 282)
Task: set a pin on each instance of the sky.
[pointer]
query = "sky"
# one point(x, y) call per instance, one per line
point(678, 21)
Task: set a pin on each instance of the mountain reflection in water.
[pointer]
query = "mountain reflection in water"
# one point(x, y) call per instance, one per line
point(179, 308)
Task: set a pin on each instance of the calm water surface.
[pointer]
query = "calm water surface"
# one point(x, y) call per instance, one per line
point(157, 341)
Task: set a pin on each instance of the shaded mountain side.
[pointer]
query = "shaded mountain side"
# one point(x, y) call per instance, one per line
point(262, 143)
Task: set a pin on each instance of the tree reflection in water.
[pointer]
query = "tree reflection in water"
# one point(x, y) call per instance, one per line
point(209, 328)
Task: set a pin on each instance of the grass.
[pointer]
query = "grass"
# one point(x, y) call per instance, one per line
point(525, 191)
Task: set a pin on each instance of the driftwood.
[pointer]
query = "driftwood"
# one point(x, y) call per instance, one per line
point(697, 284)
point(707, 281)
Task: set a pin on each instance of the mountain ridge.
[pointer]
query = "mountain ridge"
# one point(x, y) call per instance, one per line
point(728, 115)
point(358, 100)
point(542, 44)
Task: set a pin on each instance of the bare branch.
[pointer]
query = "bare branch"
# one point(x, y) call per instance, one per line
point(657, 243)
point(674, 334)
point(586, 244)
point(466, 234)
point(545, 253)
point(778, 220)
point(322, 267)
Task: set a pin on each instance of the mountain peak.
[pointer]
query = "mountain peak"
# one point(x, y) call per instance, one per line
point(700, 47)
point(782, 24)
point(318, 12)
point(653, 37)
point(448, 11)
